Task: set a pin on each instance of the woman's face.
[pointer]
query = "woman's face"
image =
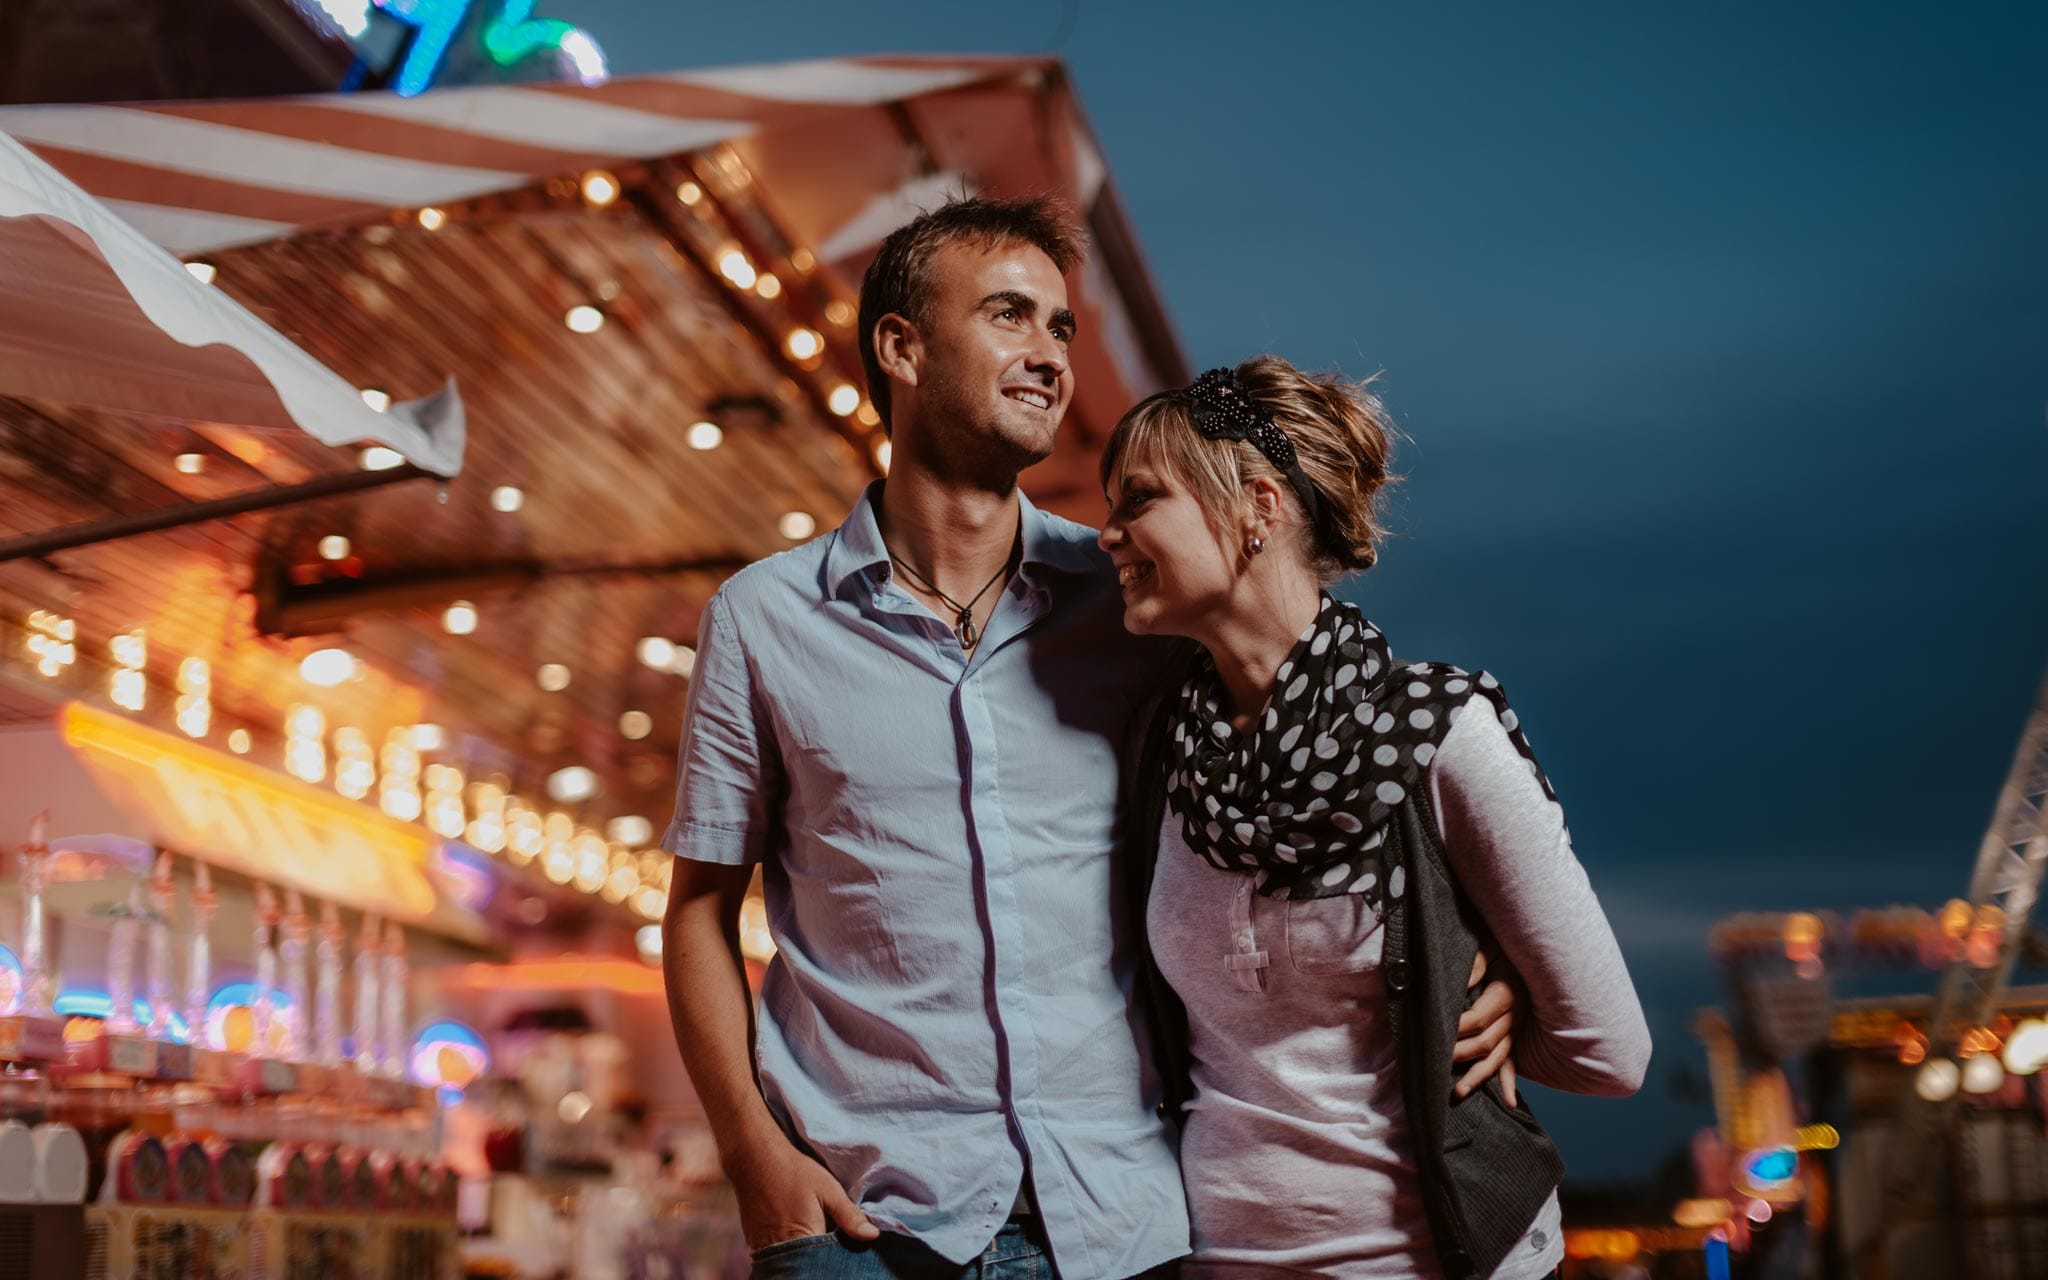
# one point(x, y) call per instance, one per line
point(1176, 570)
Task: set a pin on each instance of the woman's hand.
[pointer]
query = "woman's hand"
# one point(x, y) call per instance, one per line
point(1486, 1035)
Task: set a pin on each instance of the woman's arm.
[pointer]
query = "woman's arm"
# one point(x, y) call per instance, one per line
point(1583, 1028)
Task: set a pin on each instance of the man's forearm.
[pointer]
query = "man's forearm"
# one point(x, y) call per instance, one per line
point(711, 1010)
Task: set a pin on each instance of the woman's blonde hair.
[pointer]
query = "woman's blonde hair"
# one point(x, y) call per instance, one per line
point(1343, 440)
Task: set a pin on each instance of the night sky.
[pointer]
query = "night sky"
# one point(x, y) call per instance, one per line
point(1721, 334)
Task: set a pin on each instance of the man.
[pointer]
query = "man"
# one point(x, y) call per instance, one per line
point(915, 726)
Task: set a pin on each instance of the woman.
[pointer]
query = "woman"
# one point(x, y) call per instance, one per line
point(1326, 837)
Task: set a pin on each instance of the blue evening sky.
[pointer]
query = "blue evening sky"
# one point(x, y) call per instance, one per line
point(1721, 332)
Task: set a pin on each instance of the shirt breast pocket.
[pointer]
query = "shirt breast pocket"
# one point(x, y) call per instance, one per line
point(1335, 935)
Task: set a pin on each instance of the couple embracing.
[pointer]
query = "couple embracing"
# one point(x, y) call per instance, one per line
point(1134, 904)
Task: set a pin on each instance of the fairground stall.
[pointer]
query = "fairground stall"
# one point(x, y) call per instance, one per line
point(353, 741)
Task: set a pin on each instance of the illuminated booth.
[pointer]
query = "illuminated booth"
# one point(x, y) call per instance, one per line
point(453, 703)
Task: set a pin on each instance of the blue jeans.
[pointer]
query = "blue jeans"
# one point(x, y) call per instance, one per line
point(1017, 1253)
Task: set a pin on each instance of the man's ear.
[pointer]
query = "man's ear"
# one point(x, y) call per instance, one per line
point(899, 348)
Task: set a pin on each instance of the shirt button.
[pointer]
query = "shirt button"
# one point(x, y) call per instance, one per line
point(1537, 1239)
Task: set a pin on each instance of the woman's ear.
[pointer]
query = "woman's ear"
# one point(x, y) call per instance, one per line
point(899, 348)
point(1263, 511)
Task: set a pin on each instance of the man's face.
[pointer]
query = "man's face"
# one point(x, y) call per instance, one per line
point(995, 381)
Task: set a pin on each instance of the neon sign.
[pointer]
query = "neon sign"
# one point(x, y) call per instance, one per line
point(510, 36)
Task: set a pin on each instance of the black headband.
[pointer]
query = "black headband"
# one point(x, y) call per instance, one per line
point(1222, 408)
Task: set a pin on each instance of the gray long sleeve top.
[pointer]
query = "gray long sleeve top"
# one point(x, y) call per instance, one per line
point(1296, 1154)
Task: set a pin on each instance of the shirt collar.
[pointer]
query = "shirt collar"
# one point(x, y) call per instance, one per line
point(1048, 540)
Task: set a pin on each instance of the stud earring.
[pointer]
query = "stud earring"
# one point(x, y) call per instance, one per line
point(1253, 546)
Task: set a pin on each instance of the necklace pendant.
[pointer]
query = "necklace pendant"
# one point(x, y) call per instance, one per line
point(964, 628)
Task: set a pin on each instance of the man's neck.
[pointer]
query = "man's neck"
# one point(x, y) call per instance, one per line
point(956, 535)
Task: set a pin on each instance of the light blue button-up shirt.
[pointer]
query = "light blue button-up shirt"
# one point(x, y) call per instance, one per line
point(951, 1004)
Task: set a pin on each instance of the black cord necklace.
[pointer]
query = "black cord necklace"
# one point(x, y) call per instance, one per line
point(963, 626)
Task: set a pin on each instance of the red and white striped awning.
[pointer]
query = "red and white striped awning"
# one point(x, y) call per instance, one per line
point(847, 148)
point(94, 315)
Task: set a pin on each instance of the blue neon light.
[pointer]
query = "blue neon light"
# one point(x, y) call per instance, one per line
point(87, 1003)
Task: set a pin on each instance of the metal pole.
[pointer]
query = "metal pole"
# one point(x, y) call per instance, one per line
point(89, 532)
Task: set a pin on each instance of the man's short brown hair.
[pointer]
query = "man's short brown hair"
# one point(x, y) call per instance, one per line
point(899, 280)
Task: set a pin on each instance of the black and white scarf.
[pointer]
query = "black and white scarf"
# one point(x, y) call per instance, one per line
point(1302, 801)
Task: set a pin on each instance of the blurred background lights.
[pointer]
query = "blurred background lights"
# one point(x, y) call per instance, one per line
point(11, 981)
point(190, 464)
point(1982, 1074)
point(630, 829)
point(843, 400)
point(379, 458)
point(573, 1107)
point(769, 285)
point(647, 941)
point(334, 547)
point(635, 725)
point(689, 192)
point(2026, 1049)
point(803, 344)
point(1937, 1080)
point(448, 1055)
point(795, 525)
point(231, 1017)
point(201, 271)
point(733, 265)
point(327, 667)
point(507, 499)
point(584, 319)
point(552, 677)
point(432, 219)
point(380, 401)
point(704, 435)
point(571, 785)
point(656, 652)
point(459, 619)
point(600, 187)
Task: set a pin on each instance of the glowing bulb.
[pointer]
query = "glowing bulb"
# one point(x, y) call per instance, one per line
point(507, 499)
point(459, 619)
point(689, 193)
point(238, 742)
point(584, 319)
point(600, 188)
point(2026, 1050)
point(1982, 1074)
point(636, 725)
point(704, 435)
point(203, 272)
point(629, 828)
point(804, 344)
point(796, 525)
point(843, 400)
point(572, 785)
point(733, 265)
point(334, 547)
point(657, 652)
point(426, 737)
point(769, 285)
point(190, 464)
point(380, 401)
point(867, 415)
point(327, 667)
point(433, 219)
point(1937, 1080)
point(840, 312)
point(647, 940)
point(379, 458)
point(883, 452)
point(552, 677)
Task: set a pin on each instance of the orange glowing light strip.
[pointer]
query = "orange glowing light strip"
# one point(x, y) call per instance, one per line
point(565, 973)
point(238, 814)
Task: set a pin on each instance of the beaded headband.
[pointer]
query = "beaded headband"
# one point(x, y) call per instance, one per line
point(1222, 408)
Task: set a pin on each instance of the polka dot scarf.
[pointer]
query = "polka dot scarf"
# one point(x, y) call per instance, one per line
point(1303, 800)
